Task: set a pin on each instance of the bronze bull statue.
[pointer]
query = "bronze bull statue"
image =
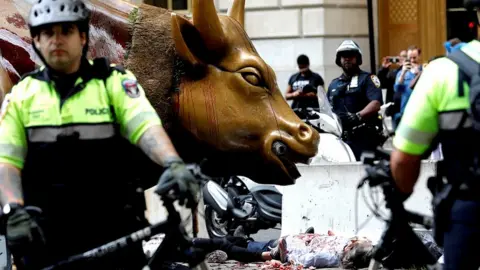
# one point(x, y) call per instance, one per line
point(217, 98)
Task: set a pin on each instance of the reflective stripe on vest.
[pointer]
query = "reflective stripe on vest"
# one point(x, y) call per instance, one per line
point(85, 132)
point(13, 151)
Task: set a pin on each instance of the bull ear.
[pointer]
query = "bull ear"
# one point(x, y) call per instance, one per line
point(237, 11)
point(180, 26)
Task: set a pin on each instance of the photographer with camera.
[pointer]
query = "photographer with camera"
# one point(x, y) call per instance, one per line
point(387, 73)
point(356, 98)
point(302, 86)
point(444, 108)
point(403, 87)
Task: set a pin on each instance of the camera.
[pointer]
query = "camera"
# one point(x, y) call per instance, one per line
point(393, 60)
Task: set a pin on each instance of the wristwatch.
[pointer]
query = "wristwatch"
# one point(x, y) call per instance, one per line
point(10, 208)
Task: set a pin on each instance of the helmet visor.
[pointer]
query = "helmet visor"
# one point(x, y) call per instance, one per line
point(348, 54)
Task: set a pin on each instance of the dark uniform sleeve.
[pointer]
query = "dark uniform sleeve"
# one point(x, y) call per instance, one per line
point(373, 88)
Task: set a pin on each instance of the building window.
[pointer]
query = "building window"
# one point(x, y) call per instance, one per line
point(177, 5)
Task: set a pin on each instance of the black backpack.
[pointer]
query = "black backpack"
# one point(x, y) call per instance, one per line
point(469, 72)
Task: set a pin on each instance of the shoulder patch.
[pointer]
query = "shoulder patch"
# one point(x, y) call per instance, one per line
point(131, 88)
point(375, 80)
point(4, 108)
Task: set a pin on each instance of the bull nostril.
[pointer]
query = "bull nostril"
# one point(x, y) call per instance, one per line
point(279, 148)
point(304, 132)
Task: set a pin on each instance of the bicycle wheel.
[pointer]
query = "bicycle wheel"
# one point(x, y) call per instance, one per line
point(202, 266)
point(374, 265)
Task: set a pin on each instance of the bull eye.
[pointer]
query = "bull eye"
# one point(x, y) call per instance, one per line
point(252, 78)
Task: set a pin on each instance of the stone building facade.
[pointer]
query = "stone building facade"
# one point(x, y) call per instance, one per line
point(283, 29)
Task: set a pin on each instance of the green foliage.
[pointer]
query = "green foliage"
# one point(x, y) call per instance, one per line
point(133, 16)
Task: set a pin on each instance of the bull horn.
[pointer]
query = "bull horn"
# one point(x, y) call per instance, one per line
point(206, 21)
point(237, 11)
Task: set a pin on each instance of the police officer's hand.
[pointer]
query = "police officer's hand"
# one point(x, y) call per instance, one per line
point(177, 182)
point(353, 119)
point(23, 233)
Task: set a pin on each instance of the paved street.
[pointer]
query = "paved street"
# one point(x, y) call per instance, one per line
point(267, 235)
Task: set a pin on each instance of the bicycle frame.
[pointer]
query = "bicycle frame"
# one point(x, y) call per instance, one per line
point(399, 246)
point(175, 236)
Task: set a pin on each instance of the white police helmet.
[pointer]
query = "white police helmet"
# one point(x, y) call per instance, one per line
point(348, 46)
point(45, 12)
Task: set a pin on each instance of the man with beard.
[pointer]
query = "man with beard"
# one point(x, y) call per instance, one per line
point(356, 98)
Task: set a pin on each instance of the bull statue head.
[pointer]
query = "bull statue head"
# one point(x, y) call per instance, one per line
point(237, 98)
point(218, 99)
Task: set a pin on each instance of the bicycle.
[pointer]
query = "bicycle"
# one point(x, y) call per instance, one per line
point(176, 243)
point(399, 246)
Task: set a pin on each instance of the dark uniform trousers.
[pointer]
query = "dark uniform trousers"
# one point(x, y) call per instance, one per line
point(462, 239)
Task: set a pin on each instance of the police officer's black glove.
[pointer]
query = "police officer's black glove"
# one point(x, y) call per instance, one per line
point(353, 119)
point(177, 182)
point(23, 233)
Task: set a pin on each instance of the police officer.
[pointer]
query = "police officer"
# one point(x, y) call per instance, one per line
point(438, 112)
point(68, 137)
point(356, 98)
